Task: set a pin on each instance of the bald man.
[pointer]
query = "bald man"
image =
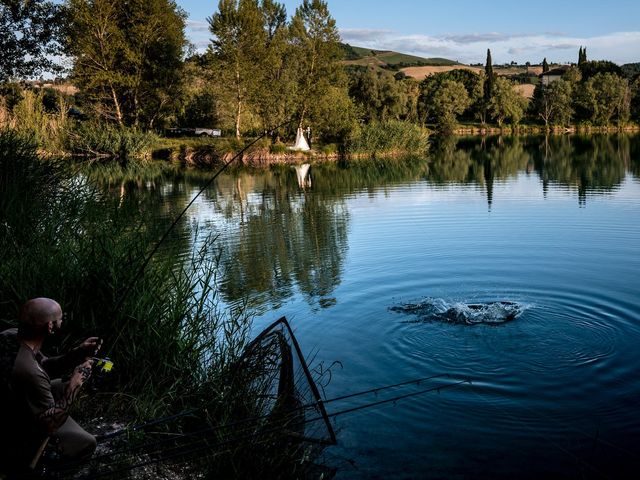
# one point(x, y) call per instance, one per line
point(39, 406)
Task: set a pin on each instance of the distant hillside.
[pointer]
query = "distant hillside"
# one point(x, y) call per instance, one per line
point(388, 59)
point(631, 70)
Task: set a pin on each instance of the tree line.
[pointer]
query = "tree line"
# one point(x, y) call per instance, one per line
point(134, 67)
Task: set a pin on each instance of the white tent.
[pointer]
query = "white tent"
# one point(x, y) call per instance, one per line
point(301, 143)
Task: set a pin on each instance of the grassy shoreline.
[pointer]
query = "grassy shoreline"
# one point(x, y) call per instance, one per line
point(205, 153)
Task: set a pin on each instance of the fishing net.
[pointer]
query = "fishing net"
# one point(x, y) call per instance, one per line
point(271, 422)
point(288, 397)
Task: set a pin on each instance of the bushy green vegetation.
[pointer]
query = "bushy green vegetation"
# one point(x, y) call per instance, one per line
point(36, 113)
point(62, 239)
point(392, 136)
point(104, 139)
point(380, 96)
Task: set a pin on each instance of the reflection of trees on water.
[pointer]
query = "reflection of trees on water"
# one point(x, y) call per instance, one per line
point(478, 161)
point(634, 157)
point(592, 165)
point(147, 197)
point(595, 164)
point(281, 233)
point(370, 175)
point(279, 237)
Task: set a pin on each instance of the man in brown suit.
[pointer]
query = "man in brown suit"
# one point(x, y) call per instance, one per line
point(38, 406)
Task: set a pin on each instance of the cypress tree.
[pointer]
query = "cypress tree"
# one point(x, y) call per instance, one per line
point(545, 65)
point(580, 56)
point(489, 80)
point(584, 54)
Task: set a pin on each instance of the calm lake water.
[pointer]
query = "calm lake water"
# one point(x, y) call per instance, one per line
point(368, 259)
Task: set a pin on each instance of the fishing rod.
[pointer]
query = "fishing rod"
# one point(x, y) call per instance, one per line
point(140, 270)
point(254, 419)
point(204, 443)
point(251, 421)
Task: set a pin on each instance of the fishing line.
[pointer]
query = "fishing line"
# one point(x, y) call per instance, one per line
point(255, 419)
point(140, 270)
point(198, 446)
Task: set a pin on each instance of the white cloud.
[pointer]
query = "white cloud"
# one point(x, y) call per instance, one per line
point(363, 34)
point(620, 47)
point(198, 34)
point(197, 26)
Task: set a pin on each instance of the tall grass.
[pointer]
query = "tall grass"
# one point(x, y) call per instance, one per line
point(63, 239)
point(96, 139)
point(388, 138)
point(30, 117)
point(173, 347)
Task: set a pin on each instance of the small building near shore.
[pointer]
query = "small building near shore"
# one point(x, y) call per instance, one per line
point(554, 74)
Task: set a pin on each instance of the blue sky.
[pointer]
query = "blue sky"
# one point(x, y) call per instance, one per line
point(463, 29)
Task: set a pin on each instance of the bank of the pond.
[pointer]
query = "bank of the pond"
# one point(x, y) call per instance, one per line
point(484, 130)
point(204, 153)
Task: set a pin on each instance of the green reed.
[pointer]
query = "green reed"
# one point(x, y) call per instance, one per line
point(64, 239)
point(389, 137)
point(173, 346)
point(101, 139)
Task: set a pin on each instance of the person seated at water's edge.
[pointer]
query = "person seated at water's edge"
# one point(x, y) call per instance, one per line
point(35, 399)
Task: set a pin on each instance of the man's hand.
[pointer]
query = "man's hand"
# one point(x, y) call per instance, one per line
point(90, 346)
point(80, 375)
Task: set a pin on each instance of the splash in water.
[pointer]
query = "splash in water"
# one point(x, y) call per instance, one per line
point(493, 313)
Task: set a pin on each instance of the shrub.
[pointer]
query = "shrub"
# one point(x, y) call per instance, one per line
point(329, 149)
point(106, 139)
point(29, 116)
point(278, 148)
point(389, 137)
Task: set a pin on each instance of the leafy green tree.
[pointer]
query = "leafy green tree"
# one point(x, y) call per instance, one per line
point(449, 100)
point(474, 88)
point(274, 100)
point(506, 103)
point(591, 68)
point(635, 99)
point(127, 57)
point(334, 115)
point(29, 37)
point(379, 95)
point(316, 40)
point(238, 47)
point(606, 96)
point(98, 46)
point(572, 75)
point(364, 90)
point(201, 104)
point(478, 104)
point(552, 103)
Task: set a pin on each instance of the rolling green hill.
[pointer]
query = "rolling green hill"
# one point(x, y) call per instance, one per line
point(388, 59)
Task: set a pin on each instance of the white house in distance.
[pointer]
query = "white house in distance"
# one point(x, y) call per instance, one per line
point(554, 74)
